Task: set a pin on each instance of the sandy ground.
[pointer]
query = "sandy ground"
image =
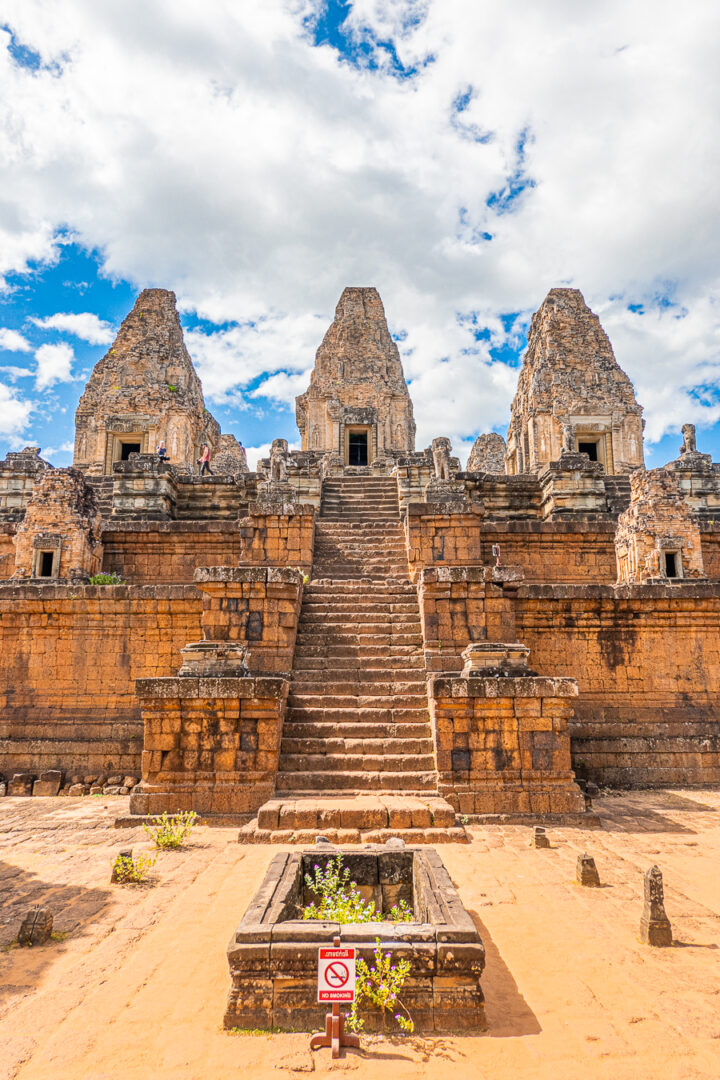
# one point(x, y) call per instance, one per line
point(137, 988)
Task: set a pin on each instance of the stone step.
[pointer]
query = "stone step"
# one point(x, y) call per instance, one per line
point(368, 530)
point(336, 637)
point(360, 567)
point(385, 622)
point(353, 608)
point(387, 665)
point(355, 729)
point(384, 514)
point(383, 589)
point(357, 701)
point(396, 811)
point(335, 688)
point(351, 541)
point(364, 652)
point(346, 716)
point(340, 763)
point(357, 781)
point(353, 747)
point(359, 674)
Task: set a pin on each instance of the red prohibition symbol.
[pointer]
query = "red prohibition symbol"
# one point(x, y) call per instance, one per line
point(336, 974)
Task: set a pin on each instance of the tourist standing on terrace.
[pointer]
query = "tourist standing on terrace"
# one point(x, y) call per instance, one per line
point(205, 461)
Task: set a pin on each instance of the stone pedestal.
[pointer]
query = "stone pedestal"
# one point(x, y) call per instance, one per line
point(144, 487)
point(502, 739)
point(255, 607)
point(572, 485)
point(446, 497)
point(274, 497)
point(211, 744)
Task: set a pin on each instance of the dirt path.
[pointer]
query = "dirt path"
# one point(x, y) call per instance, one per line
point(138, 986)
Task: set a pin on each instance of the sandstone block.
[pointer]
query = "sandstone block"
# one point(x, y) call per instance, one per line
point(36, 927)
point(21, 784)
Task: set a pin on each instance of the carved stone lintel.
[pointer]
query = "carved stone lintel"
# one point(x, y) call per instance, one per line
point(274, 498)
point(446, 494)
point(214, 659)
point(488, 659)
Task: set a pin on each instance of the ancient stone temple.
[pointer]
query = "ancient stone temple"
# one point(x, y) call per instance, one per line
point(357, 405)
point(144, 391)
point(360, 639)
point(572, 394)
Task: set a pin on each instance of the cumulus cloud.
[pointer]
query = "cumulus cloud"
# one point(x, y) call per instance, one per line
point(470, 159)
point(83, 325)
point(228, 361)
point(254, 453)
point(54, 365)
point(14, 412)
point(12, 341)
point(57, 451)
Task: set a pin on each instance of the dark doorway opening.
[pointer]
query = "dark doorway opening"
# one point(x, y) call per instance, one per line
point(46, 564)
point(129, 448)
point(357, 448)
point(589, 448)
point(670, 564)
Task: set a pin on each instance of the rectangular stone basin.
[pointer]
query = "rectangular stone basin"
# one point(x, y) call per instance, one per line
point(273, 953)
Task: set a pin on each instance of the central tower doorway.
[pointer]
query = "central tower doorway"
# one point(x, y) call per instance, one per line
point(357, 447)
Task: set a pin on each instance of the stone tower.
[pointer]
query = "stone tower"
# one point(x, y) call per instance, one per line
point(145, 389)
point(572, 394)
point(357, 404)
point(658, 537)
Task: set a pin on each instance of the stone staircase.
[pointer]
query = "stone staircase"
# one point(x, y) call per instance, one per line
point(103, 488)
point(617, 493)
point(357, 753)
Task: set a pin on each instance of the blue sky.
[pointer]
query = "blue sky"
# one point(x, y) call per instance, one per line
point(462, 159)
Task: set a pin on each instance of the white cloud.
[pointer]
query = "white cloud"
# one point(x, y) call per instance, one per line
point(54, 451)
point(228, 361)
point(219, 153)
point(12, 341)
point(14, 412)
point(54, 365)
point(254, 453)
point(83, 325)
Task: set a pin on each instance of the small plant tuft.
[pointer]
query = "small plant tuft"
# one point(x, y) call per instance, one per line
point(173, 831)
point(106, 579)
point(339, 899)
point(401, 912)
point(129, 871)
point(172, 389)
point(380, 986)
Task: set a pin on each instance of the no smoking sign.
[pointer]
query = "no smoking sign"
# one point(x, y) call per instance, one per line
point(336, 974)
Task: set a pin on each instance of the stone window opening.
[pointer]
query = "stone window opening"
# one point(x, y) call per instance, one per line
point(672, 564)
point(589, 448)
point(357, 446)
point(121, 446)
point(128, 448)
point(45, 564)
